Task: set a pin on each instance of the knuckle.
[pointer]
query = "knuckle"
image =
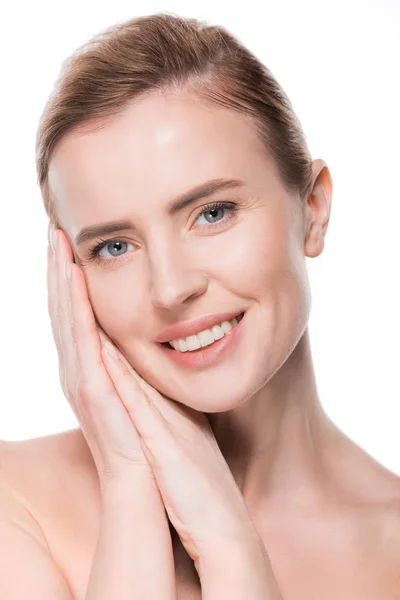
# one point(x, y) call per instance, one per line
point(85, 391)
point(51, 306)
point(59, 341)
point(72, 328)
point(60, 356)
point(61, 376)
point(70, 388)
point(54, 331)
point(124, 369)
point(70, 311)
point(65, 391)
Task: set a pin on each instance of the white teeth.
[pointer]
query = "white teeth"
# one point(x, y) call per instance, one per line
point(204, 338)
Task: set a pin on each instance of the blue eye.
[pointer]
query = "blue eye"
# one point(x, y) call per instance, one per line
point(217, 210)
point(216, 207)
point(94, 253)
point(114, 243)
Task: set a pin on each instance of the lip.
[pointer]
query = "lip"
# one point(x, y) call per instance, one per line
point(209, 355)
point(182, 330)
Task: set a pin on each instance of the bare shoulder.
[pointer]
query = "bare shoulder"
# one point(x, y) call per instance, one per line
point(49, 486)
point(19, 485)
point(373, 535)
point(375, 507)
point(371, 506)
point(37, 477)
point(378, 535)
point(387, 525)
point(383, 508)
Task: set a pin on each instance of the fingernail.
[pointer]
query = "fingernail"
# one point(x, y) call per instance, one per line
point(103, 338)
point(110, 349)
point(53, 238)
point(67, 270)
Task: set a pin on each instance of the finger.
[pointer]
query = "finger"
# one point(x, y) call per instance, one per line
point(96, 396)
point(53, 310)
point(183, 422)
point(186, 418)
point(140, 407)
point(178, 473)
point(63, 253)
point(52, 296)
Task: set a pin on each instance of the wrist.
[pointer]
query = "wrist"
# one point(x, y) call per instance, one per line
point(241, 568)
point(239, 550)
point(129, 487)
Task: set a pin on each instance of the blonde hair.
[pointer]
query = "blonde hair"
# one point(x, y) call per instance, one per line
point(165, 51)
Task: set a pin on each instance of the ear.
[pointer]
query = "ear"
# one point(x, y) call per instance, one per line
point(317, 209)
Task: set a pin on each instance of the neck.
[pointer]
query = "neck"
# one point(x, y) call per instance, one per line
point(277, 443)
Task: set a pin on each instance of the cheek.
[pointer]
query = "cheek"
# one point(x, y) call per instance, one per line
point(262, 259)
point(116, 304)
point(268, 268)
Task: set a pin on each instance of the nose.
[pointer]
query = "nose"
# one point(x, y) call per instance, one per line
point(175, 278)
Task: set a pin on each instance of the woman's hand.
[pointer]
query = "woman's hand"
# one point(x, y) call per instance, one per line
point(129, 426)
point(199, 492)
point(133, 535)
point(109, 431)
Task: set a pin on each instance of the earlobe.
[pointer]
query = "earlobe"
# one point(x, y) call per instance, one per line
point(314, 242)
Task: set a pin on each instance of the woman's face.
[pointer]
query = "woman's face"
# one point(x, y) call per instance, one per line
point(172, 267)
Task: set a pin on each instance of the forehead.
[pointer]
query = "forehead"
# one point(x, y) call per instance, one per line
point(158, 147)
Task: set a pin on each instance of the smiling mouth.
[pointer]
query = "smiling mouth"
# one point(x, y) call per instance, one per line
point(168, 345)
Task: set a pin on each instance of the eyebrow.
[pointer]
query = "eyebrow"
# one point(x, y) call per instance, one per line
point(199, 191)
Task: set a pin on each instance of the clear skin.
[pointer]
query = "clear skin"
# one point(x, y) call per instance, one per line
point(261, 400)
point(151, 453)
point(143, 441)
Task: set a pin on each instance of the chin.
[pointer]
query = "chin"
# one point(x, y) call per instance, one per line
point(218, 394)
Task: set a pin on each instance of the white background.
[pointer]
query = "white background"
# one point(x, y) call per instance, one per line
point(339, 63)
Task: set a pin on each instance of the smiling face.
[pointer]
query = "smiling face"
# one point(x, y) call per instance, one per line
point(173, 266)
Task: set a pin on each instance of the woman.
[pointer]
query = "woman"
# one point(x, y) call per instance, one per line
point(184, 201)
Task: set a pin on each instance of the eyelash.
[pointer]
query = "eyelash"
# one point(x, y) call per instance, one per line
point(100, 244)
